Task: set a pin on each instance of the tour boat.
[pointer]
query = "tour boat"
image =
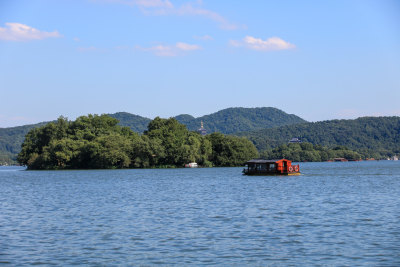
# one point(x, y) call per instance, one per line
point(271, 167)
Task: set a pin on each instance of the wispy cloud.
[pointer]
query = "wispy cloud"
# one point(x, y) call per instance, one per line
point(187, 47)
point(165, 7)
point(159, 50)
point(191, 10)
point(270, 44)
point(203, 38)
point(20, 32)
point(170, 50)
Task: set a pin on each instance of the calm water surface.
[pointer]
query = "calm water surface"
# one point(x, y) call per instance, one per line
point(335, 214)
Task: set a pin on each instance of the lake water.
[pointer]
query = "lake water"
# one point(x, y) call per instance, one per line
point(335, 214)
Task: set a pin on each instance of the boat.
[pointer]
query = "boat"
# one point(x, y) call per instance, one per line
point(271, 167)
point(191, 165)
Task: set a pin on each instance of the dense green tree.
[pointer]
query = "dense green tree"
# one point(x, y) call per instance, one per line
point(173, 137)
point(231, 150)
point(146, 152)
point(99, 142)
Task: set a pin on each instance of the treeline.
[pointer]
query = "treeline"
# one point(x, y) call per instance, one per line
point(97, 142)
point(302, 152)
point(371, 137)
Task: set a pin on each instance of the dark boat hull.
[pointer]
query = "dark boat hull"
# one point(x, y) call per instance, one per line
point(270, 173)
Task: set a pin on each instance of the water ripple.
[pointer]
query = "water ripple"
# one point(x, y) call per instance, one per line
point(335, 214)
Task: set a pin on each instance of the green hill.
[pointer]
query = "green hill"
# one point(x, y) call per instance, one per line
point(227, 121)
point(11, 140)
point(135, 122)
point(233, 120)
point(371, 136)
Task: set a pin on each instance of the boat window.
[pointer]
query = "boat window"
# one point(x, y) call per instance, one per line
point(272, 167)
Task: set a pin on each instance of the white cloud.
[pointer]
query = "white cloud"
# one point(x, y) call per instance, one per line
point(271, 44)
point(161, 50)
point(170, 50)
point(22, 32)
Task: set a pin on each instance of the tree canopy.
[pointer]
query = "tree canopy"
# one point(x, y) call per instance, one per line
point(95, 141)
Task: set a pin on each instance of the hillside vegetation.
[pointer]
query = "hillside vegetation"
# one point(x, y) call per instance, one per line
point(11, 140)
point(376, 137)
point(135, 122)
point(308, 152)
point(226, 121)
point(234, 120)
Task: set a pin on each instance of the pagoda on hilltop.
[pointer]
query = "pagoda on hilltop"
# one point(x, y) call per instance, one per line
point(201, 130)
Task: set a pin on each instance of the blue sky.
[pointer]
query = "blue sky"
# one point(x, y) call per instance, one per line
point(319, 60)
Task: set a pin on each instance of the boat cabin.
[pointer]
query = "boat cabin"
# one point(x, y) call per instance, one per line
point(271, 167)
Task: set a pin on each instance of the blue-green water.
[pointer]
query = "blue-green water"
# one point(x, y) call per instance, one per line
point(335, 214)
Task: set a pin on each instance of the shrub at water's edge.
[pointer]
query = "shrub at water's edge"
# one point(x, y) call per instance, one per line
point(97, 142)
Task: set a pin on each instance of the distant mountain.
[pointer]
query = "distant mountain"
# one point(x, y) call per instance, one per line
point(374, 136)
point(233, 120)
point(227, 121)
point(135, 122)
point(11, 140)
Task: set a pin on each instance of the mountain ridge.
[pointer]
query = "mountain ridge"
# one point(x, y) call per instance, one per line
point(227, 121)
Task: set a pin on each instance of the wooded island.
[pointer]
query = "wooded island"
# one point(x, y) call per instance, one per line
point(97, 142)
